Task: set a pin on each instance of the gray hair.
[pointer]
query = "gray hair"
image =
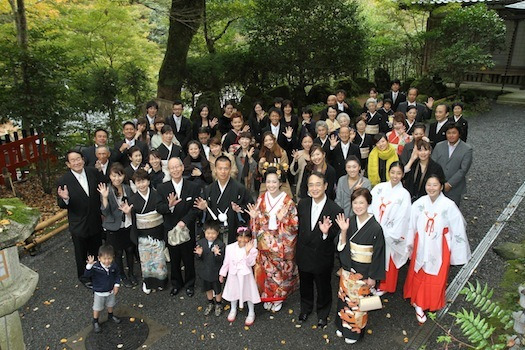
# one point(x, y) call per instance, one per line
point(321, 123)
point(371, 100)
point(343, 116)
point(102, 147)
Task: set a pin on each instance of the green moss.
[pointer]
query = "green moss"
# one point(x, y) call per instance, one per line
point(14, 209)
point(514, 276)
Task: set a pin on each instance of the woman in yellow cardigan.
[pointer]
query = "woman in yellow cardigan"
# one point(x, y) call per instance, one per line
point(379, 160)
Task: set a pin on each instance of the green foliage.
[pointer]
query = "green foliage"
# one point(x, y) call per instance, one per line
point(364, 85)
point(293, 46)
point(464, 41)
point(430, 86)
point(349, 85)
point(319, 93)
point(476, 329)
point(382, 79)
point(211, 99)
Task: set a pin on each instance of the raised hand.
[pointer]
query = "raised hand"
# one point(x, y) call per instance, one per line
point(200, 204)
point(216, 250)
point(198, 250)
point(213, 122)
point(236, 207)
point(250, 152)
point(295, 154)
point(415, 154)
point(103, 190)
point(430, 102)
point(333, 141)
point(90, 260)
point(196, 172)
point(246, 128)
point(325, 225)
point(63, 192)
point(288, 132)
point(147, 167)
point(249, 246)
point(283, 211)
point(98, 165)
point(126, 208)
point(123, 147)
point(342, 222)
point(252, 209)
point(173, 200)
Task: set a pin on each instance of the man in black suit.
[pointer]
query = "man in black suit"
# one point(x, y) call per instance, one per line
point(103, 162)
point(331, 101)
point(424, 111)
point(181, 126)
point(77, 192)
point(395, 95)
point(342, 106)
point(121, 147)
point(151, 112)
point(100, 139)
point(285, 136)
point(341, 149)
point(180, 195)
point(315, 248)
point(437, 131)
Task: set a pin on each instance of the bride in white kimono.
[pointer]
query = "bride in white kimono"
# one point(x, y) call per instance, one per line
point(391, 207)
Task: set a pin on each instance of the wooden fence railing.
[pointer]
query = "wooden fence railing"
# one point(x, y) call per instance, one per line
point(16, 153)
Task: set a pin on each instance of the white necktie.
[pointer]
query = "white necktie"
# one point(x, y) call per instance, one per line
point(315, 215)
point(84, 183)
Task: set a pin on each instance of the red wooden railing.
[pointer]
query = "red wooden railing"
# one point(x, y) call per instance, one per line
point(18, 153)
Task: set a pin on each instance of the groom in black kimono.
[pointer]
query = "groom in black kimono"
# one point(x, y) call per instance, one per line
point(225, 200)
point(315, 248)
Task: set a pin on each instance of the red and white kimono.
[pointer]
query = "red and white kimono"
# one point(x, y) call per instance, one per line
point(391, 208)
point(437, 239)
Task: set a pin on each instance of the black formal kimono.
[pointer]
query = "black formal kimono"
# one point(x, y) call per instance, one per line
point(147, 232)
point(294, 123)
point(197, 124)
point(203, 165)
point(463, 124)
point(375, 123)
point(331, 180)
point(231, 138)
point(221, 203)
point(409, 127)
point(338, 160)
point(437, 137)
point(256, 127)
point(365, 145)
point(306, 128)
point(183, 211)
point(224, 124)
point(286, 144)
point(385, 114)
point(325, 145)
point(315, 257)
point(414, 180)
point(423, 112)
point(83, 214)
point(362, 257)
point(166, 154)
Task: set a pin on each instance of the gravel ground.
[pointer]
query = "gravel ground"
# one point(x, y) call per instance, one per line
point(493, 179)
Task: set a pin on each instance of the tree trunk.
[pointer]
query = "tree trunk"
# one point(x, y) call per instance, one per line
point(185, 19)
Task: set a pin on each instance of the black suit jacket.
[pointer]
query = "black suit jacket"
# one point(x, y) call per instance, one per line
point(185, 132)
point(440, 136)
point(285, 144)
point(90, 157)
point(209, 264)
point(423, 112)
point(176, 151)
point(401, 97)
point(83, 211)
point(123, 158)
point(184, 210)
point(337, 159)
point(313, 254)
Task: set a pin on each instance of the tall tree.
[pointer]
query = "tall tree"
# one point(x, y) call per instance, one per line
point(185, 19)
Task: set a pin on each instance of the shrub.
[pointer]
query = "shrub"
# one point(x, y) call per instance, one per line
point(382, 79)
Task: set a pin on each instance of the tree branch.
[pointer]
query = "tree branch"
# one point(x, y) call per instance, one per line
point(225, 28)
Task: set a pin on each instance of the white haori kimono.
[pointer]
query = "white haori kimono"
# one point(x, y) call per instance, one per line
point(391, 208)
point(431, 221)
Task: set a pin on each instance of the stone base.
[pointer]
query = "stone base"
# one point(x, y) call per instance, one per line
point(14, 295)
point(11, 336)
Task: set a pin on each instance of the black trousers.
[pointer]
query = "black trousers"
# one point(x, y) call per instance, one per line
point(182, 253)
point(85, 246)
point(323, 285)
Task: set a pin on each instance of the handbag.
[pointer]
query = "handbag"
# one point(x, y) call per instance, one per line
point(370, 303)
point(177, 235)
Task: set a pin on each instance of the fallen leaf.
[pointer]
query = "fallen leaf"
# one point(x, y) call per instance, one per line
point(63, 341)
point(47, 303)
point(271, 317)
point(297, 326)
point(388, 315)
point(202, 336)
point(52, 300)
point(35, 309)
point(132, 319)
point(212, 335)
point(246, 328)
point(405, 339)
point(404, 332)
point(314, 327)
point(193, 331)
point(227, 307)
point(325, 336)
point(369, 331)
point(182, 313)
point(141, 306)
point(385, 300)
point(199, 308)
point(120, 346)
point(290, 311)
point(283, 342)
point(48, 325)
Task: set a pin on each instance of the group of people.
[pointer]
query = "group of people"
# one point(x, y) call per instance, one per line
point(259, 207)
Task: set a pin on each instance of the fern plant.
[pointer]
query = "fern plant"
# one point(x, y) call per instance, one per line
point(479, 328)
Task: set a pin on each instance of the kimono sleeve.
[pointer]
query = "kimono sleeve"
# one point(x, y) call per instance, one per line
point(459, 245)
point(412, 227)
point(377, 267)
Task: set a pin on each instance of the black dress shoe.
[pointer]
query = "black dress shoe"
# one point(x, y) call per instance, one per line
point(133, 280)
point(190, 292)
point(97, 328)
point(303, 317)
point(174, 291)
point(322, 323)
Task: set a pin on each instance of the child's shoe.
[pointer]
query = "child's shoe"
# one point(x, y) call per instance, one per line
point(114, 319)
point(209, 309)
point(218, 310)
point(232, 315)
point(96, 327)
point(249, 320)
point(145, 289)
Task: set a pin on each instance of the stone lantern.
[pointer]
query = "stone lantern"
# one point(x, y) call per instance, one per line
point(17, 282)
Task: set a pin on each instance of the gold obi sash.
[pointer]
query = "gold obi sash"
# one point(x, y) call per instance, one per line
point(372, 129)
point(364, 152)
point(361, 253)
point(149, 220)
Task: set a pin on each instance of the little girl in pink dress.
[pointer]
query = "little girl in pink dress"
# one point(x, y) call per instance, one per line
point(240, 285)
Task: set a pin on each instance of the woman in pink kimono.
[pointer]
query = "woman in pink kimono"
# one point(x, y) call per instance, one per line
point(240, 286)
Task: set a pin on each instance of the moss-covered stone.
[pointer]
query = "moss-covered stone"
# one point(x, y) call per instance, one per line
point(13, 209)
